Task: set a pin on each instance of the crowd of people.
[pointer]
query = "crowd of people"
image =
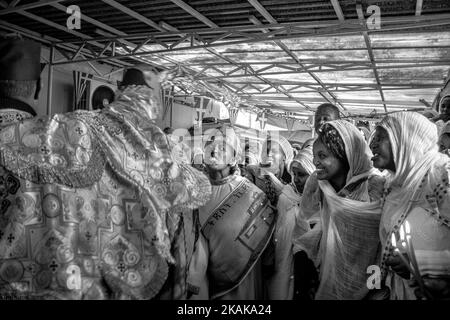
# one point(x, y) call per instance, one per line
point(104, 204)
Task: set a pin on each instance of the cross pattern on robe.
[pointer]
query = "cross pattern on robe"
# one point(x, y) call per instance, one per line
point(11, 238)
point(45, 149)
point(121, 267)
point(79, 130)
point(53, 266)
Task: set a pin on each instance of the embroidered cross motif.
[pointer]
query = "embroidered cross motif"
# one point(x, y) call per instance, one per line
point(79, 130)
point(11, 238)
point(45, 150)
point(53, 266)
point(121, 267)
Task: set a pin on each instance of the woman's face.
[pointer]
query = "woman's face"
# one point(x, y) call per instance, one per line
point(300, 176)
point(444, 142)
point(380, 145)
point(445, 106)
point(328, 166)
point(275, 156)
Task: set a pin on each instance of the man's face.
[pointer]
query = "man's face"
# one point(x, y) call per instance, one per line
point(218, 154)
point(323, 115)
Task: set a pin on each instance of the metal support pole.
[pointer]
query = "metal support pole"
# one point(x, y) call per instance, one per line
point(50, 81)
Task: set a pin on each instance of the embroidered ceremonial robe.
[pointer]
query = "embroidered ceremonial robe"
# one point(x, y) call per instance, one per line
point(90, 203)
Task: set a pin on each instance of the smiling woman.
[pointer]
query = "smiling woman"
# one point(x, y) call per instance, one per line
point(344, 194)
point(382, 151)
point(417, 192)
point(329, 157)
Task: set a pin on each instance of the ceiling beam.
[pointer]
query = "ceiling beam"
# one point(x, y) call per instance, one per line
point(419, 4)
point(27, 6)
point(338, 10)
point(65, 29)
point(162, 27)
point(107, 28)
point(322, 62)
point(249, 70)
point(13, 3)
point(292, 55)
point(374, 86)
point(351, 101)
point(195, 13)
point(237, 35)
point(370, 52)
point(46, 39)
point(326, 69)
point(133, 14)
point(260, 8)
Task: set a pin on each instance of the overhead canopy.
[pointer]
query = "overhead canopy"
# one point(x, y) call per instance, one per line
point(283, 55)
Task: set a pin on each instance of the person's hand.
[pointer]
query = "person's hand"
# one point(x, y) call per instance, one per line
point(398, 266)
point(438, 288)
point(306, 279)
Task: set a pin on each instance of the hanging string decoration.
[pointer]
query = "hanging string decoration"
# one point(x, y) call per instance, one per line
point(262, 120)
point(233, 113)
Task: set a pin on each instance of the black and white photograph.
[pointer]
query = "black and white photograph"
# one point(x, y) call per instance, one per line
point(225, 155)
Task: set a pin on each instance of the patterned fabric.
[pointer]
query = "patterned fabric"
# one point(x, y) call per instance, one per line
point(11, 106)
point(9, 116)
point(98, 203)
point(331, 138)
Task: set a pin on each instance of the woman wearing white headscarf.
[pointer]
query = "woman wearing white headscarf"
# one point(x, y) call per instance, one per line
point(281, 284)
point(344, 192)
point(417, 190)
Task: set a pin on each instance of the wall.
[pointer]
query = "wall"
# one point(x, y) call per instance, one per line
point(183, 115)
point(62, 88)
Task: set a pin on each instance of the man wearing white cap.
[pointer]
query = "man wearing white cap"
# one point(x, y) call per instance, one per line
point(236, 226)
